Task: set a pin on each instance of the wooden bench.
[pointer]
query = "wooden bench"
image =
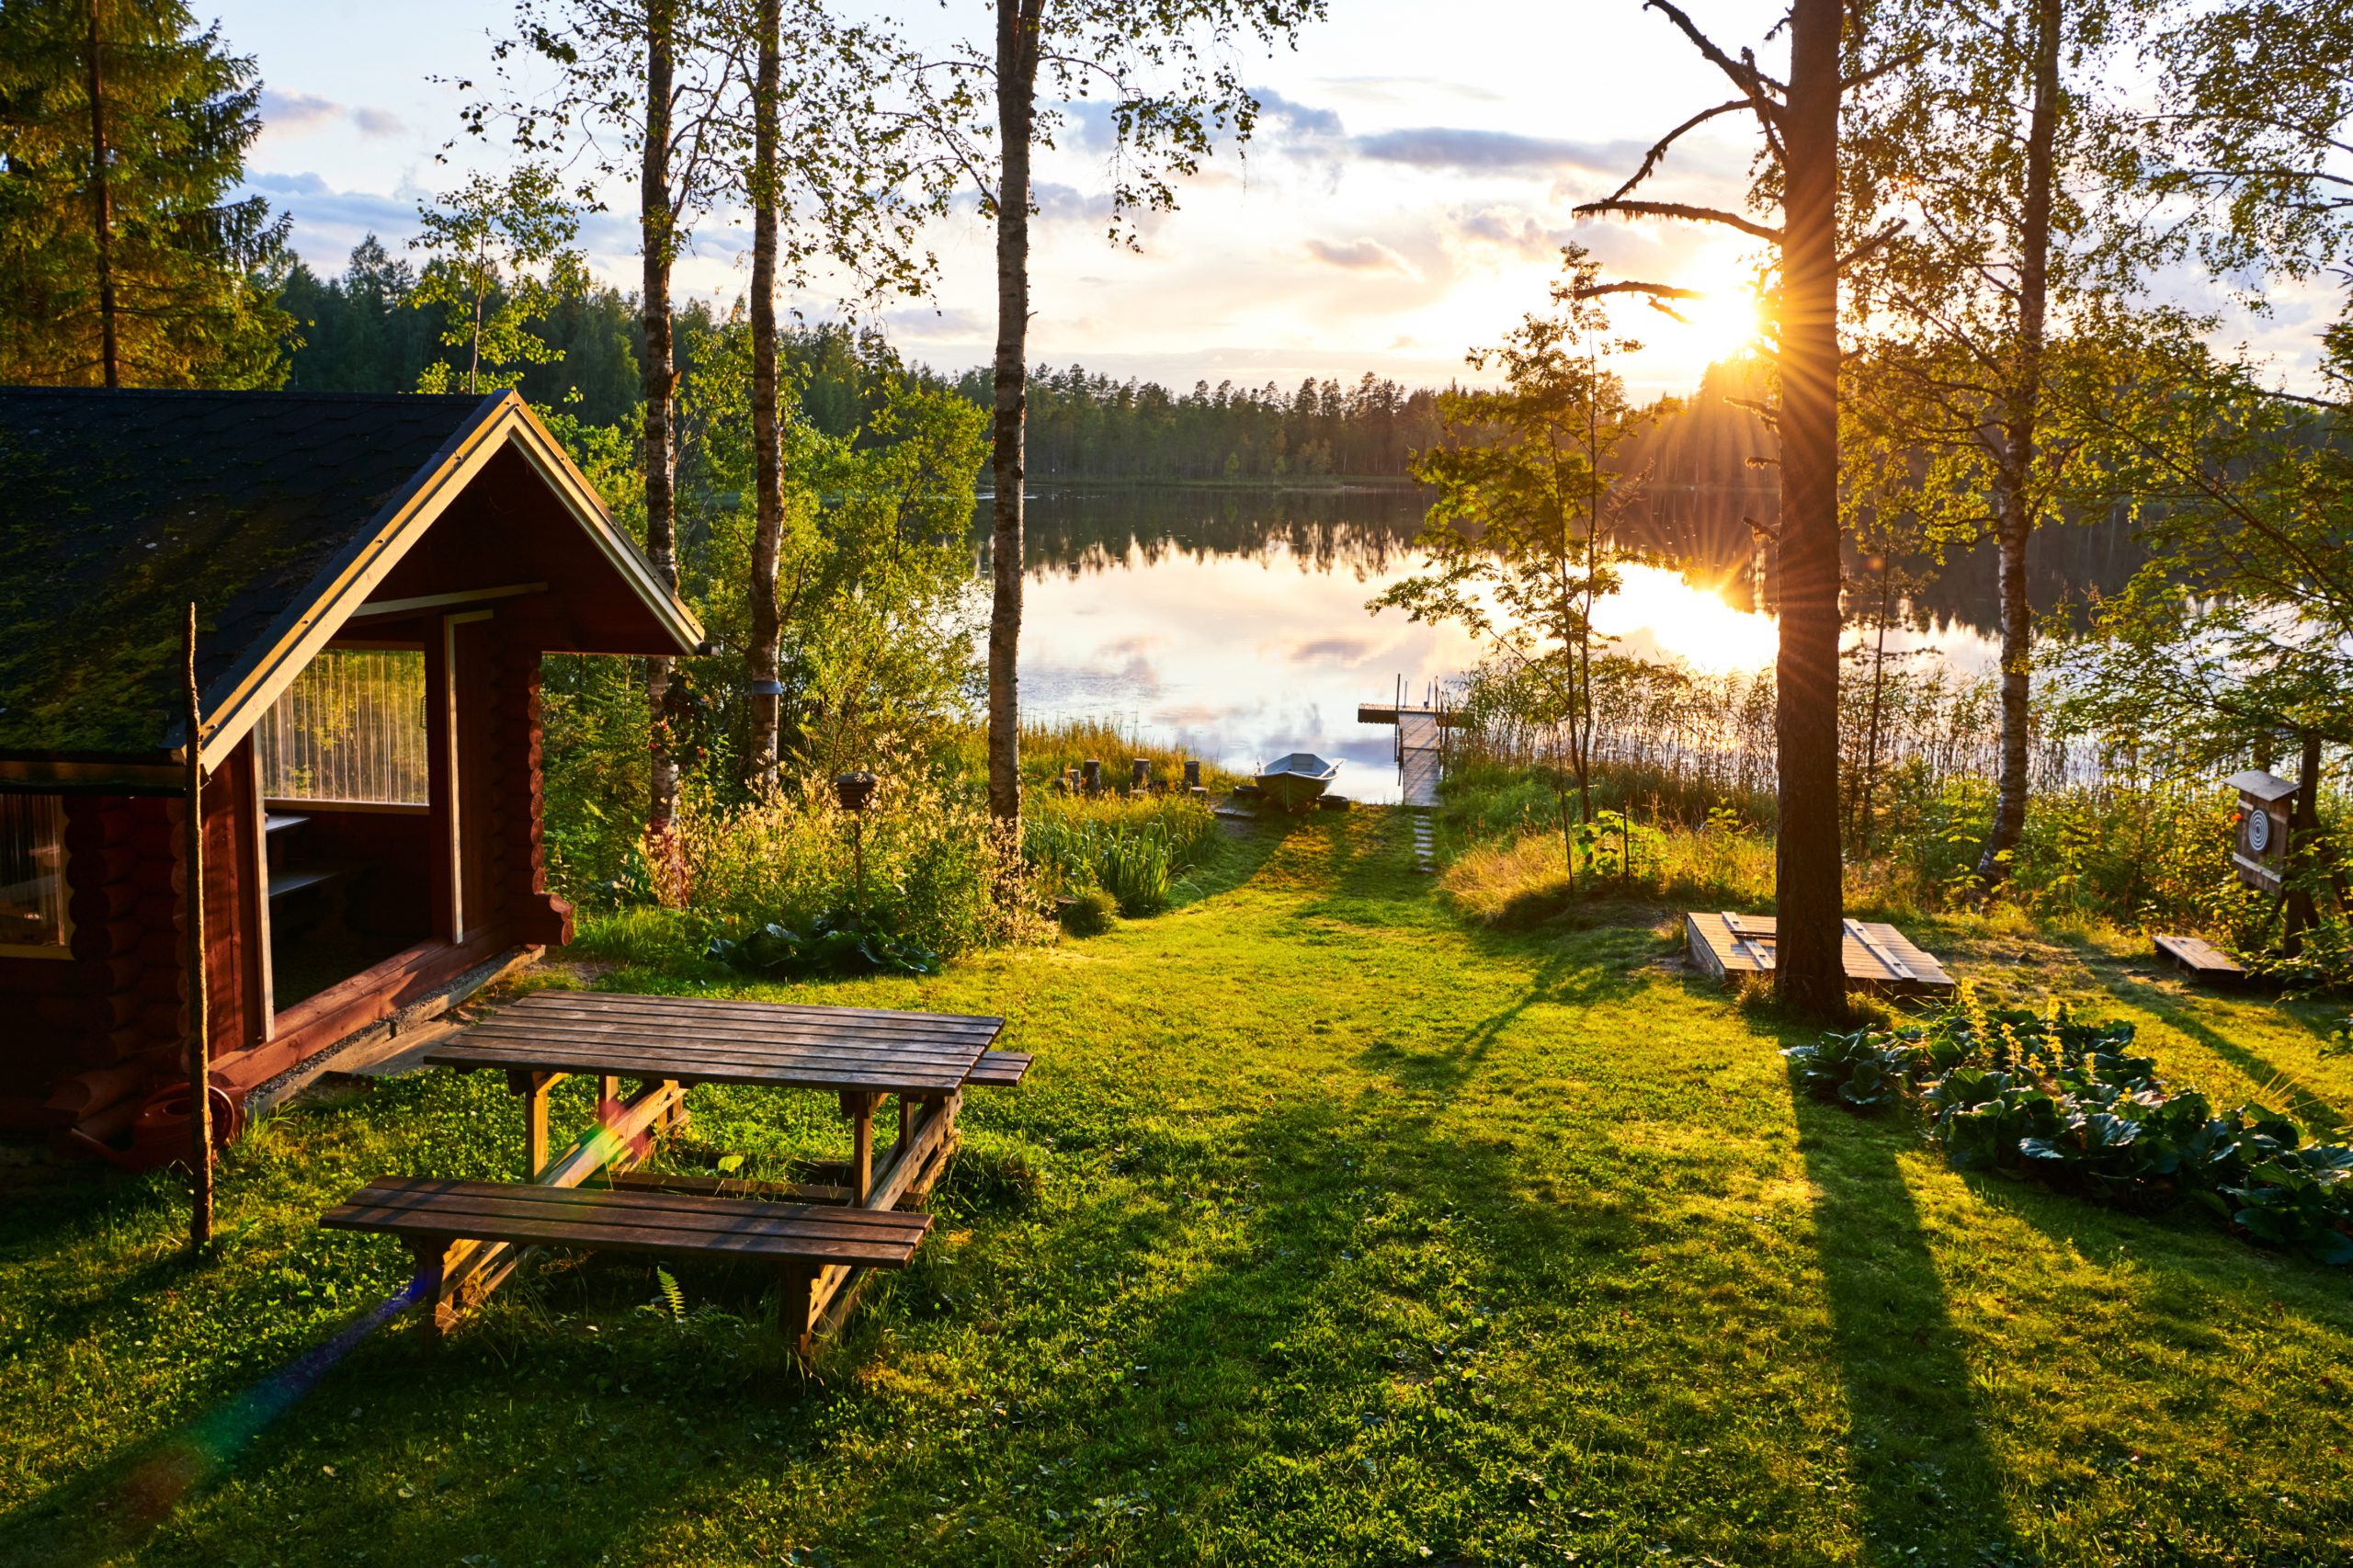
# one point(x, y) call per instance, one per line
point(435, 1217)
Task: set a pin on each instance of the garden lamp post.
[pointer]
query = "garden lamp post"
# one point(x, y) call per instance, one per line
point(855, 791)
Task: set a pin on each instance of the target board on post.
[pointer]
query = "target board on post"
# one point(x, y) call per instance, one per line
point(2266, 804)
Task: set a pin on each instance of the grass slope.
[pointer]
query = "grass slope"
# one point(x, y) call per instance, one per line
point(1327, 1230)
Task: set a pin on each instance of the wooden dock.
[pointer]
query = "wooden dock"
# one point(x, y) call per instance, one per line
point(1421, 746)
point(1878, 957)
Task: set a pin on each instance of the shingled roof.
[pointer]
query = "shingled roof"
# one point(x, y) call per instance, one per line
point(117, 508)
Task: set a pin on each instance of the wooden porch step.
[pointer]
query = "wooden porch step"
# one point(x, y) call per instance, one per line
point(663, 1224)
point(998, 1070)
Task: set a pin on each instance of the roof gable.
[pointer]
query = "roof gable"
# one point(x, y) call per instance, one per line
point(275, 512)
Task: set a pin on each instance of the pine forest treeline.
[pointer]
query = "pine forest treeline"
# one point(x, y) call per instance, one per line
point(364, 331)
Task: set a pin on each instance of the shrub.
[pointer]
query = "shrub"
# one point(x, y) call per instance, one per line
point(939, 873)
point(2052, 1096)
point(1089, 914)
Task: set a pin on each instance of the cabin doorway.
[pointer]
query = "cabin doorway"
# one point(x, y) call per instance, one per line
point(344, 770)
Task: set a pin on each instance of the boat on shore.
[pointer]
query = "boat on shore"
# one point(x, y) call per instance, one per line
point(1295, 782)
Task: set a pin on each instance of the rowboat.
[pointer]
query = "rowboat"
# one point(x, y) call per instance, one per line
point(1295, 782)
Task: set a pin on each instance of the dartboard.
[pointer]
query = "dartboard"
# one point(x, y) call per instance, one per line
point(2259, 831)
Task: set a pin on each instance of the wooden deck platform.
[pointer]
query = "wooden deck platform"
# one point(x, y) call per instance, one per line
point(1878, 957)
point(2207, 963)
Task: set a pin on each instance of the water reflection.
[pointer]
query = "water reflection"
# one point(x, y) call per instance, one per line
point(1233, 623)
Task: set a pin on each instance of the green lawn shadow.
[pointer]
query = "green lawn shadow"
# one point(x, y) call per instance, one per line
point(1925, 1471)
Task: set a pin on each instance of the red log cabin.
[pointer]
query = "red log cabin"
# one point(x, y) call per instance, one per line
point(376, 579)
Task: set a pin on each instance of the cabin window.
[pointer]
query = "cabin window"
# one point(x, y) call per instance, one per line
point(350, 728)
point(32, 873)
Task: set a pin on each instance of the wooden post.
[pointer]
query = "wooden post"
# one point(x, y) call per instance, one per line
point(858, 1106)
point(1192, 774)
point(200, 1063)
point(535, 1125)
point(1091, 772)
point(798, 1312)
point(1139, 774)
point(2304, 826)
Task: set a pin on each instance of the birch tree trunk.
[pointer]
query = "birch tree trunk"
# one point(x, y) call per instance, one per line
point(1809, 974)
point(2014, 513)
point(1016, 71)
point(656, 226)
point(760, 658)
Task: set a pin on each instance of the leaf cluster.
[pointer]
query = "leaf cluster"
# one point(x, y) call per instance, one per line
point(838, 942)
point(2067, 1100)
point(1169, 72)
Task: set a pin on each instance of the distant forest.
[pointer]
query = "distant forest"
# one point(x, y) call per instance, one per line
point(364, 331)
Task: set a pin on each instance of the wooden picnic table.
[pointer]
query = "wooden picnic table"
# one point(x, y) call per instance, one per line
point(924, 1061)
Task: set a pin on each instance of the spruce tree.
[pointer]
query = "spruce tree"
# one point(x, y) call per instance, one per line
point(124, 259)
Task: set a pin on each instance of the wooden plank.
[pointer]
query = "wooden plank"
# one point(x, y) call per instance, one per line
point(998, 1069)
point(734, 1042)
point(667, 1006)
point(2202, 958)
point(1879, 952)
point(1876, 956)
point(651, 1197)
point(606, 1233)
point(728, 1220)
point(883, 1076)
point(732, 1186)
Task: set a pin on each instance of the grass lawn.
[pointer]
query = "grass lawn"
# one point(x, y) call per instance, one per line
point(1326, 1230)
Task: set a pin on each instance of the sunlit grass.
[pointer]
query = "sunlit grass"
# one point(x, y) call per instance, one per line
point(1330, 1228)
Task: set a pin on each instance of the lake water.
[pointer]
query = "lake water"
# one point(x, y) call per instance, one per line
point(1233, 623)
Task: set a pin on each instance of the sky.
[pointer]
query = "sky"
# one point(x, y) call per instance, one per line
point(1404, 200)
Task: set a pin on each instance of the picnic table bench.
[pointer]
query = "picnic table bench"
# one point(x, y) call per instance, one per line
point(825, 1235)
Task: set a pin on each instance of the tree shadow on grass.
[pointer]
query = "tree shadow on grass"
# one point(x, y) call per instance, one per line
point(2307, 1105)
point(1926, 1475)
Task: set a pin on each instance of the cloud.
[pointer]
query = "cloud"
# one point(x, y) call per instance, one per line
point(1333, 650)
point(1462, 150)
point(1068, 204)
point(1509, 229)
point(1396, 90)
point(1302, 120)
point(303, 113)
point(1363, 254)
point(328, 222)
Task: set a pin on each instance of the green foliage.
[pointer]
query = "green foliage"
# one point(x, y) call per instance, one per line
point(838, 942)
point(2237, 630)
point(1134, 849)
point(1089, 914)
point(1853, 1068)
point(923, 864)
point(1518, 538)
point(1083, 425)
point(190, 263)
point(502, 255)
point(2055, 1096)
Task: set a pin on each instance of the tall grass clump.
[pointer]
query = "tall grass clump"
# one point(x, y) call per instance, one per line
point(1136, 849)
point(1526, 877)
